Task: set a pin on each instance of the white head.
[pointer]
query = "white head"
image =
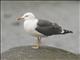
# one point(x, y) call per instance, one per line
point(27, 16)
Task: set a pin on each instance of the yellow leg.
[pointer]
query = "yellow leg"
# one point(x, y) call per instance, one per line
point(37, 45)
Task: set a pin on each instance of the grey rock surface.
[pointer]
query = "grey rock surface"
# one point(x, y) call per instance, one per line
point(43, 53)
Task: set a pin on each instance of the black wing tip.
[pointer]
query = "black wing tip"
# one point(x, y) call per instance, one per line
point(67, 31)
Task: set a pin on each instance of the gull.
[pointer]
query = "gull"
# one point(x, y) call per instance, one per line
point(41, 28)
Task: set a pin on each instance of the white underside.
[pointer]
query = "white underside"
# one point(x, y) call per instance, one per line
point(30, 25)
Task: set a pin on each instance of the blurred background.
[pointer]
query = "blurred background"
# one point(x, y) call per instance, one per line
point(65, 13)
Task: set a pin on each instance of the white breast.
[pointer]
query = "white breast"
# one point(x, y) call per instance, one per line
point(30, 25)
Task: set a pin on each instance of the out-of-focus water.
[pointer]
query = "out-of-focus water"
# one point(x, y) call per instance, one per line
point(65, 13)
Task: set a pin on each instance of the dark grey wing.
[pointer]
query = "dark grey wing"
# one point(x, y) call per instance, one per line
point(44, 23)
point(48, 28)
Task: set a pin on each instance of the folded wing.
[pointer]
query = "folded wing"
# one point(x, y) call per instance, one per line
point(47, 28)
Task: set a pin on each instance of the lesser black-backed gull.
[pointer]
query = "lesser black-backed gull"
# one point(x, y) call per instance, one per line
point(40, 28)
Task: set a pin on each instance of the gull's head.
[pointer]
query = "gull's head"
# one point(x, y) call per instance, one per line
point(27, 16)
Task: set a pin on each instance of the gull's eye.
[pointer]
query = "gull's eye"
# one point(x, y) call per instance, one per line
point(26, 16)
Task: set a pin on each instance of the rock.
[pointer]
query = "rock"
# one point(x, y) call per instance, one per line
point(43, 53)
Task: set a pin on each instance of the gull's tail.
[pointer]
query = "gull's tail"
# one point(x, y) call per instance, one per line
point(64, 31)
